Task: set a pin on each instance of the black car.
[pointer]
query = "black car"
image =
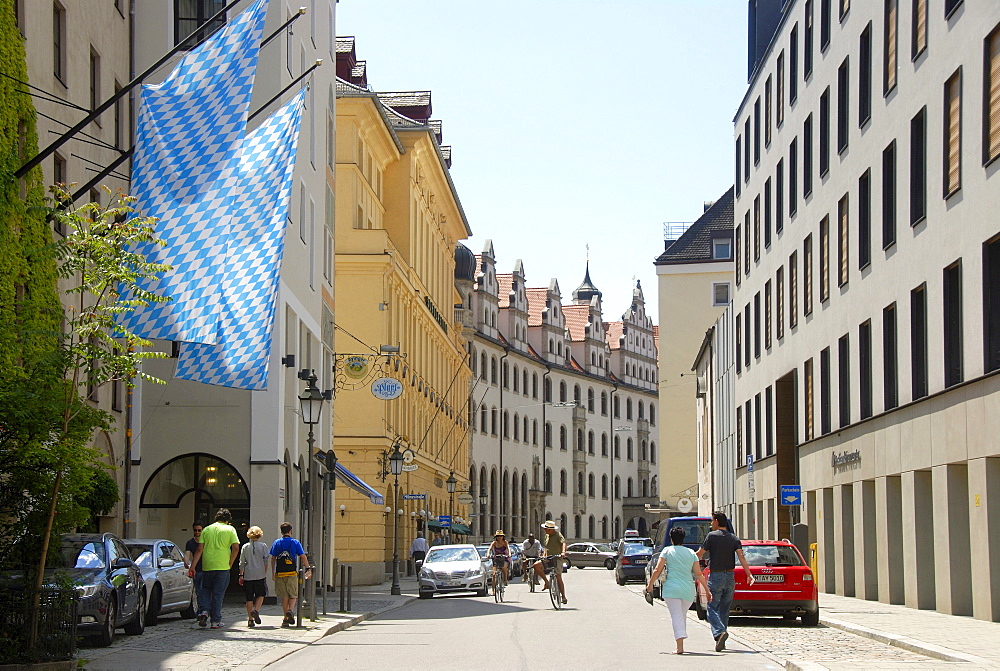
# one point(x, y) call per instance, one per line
point(632, 561)
point(110, 586)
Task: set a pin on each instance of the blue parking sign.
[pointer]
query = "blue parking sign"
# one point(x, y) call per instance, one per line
point(791, 495)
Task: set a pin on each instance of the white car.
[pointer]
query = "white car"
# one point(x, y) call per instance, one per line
point(169, 588)
point(452, 568)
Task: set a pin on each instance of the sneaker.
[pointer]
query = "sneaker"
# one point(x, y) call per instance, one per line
point(256, 616)
point(720, 642)
point(251, 623)
point(202, 619)
point(286, 623)
point(216, 625)
point(289, 617)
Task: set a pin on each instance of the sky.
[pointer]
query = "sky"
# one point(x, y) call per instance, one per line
point(573, 123)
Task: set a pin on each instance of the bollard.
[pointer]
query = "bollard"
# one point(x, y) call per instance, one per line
point(350, 585)
point(298, 599)
point(343, 572)
point(814, 559)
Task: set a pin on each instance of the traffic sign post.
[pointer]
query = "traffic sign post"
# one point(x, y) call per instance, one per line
point(444, 521)
point(791, 495)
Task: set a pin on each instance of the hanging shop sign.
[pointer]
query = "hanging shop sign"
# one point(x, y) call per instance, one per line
point(356, 367)
point(387, 388)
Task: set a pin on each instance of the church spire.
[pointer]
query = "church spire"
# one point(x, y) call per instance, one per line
point(587, 290)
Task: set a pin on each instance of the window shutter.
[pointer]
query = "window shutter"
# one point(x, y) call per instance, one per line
point(954, 112)
point(993, 112)
point(890, 44)
point(920, 27)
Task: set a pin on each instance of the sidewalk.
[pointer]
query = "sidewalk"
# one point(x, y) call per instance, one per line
point(182, 644)
point(949, 638)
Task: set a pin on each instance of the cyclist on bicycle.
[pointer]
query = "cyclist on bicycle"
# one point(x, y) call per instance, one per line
point(531, 550)
point(555, 546)
point(499, 551)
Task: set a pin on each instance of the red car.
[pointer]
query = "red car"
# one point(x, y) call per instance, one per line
point(784, 584)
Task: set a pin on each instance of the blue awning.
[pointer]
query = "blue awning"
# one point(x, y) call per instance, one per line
point(358, 485)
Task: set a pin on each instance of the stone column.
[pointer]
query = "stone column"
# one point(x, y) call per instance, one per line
point(843, 531)
point(984, 521)
point(951, 557)
point(866, 540)
point(918, 529)
point(890, 561)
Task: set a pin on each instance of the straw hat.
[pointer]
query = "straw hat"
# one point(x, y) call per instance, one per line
point(549, 524)
point(499, 532)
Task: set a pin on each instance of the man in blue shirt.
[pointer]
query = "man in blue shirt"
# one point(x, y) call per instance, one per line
point(286, 555)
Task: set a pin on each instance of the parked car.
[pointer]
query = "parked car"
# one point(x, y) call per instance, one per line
point(169, 588)
point(632, 561)
point(784, 584)
point(452, 568)
point(112, 592)
point(591, 554)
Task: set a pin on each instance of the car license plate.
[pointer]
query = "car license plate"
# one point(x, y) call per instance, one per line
point(640, 562)
point(769, 578)
point(450, 583)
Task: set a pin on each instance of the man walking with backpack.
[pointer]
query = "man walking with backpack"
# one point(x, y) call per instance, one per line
point(286, 555)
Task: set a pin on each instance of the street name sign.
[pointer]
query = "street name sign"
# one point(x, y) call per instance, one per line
point(791, 495)
point(414, 497)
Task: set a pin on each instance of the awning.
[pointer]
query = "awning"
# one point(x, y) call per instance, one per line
point(461, 529)
point(434, 524)
point(358, 485)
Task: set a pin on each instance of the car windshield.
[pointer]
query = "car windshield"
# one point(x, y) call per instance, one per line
point(603, 547)
point(142, 555)
point(636, 549)
point(450, 554)
point(81, 554)
point(694, 530)
point(482, 549)
point(771, 555)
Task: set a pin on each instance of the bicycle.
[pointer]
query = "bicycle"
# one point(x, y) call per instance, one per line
point(499, 583)
point(529, 572)
point(550, 574)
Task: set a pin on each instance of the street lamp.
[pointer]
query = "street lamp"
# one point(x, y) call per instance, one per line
point(310, 408)
point(482, 511)
point(396, 466)
point(450, 484)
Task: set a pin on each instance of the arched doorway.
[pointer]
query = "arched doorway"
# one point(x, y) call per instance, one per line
point(192, 488)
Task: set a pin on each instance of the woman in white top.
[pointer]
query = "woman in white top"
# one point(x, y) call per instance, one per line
point(678, 588)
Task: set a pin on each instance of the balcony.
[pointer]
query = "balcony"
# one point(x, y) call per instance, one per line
point(642, 427)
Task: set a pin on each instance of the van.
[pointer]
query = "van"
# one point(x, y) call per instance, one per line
point(696, 528)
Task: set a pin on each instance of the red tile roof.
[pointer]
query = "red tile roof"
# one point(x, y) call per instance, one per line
point(614, 333)
point(506, 281)
point(536, 303)
point(577, 317)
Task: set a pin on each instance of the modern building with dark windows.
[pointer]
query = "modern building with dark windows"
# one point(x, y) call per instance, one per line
point(867, 294)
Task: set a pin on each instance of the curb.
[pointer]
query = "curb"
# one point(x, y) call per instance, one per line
point(906, 643)
point(802, 665)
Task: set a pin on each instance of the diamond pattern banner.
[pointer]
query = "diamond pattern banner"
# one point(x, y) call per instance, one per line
point(239, 357)
point(189, 136)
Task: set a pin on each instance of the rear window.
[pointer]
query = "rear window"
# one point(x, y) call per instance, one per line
point(694, 530)
point(636, 549)
point(771, 555)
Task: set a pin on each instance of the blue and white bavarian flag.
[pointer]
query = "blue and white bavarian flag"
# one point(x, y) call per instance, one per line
point(239, 357)
point(189, 136)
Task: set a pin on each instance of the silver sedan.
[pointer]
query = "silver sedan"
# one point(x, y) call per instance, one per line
point(452, 568)
point(169, 588)
point(591, 554)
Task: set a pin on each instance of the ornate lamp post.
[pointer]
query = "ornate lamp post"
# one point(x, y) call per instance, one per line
point(396, 466)
point(310, 408)
point(450, 483)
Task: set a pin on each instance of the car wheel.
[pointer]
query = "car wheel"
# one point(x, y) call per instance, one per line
point(619, 578)
point(138, 623)
point(811, 619)
point(107, 635)
point(609, 564)
point(191, 610)
point(700, 610)
point(155, 601)
point(425, 595)
point(481, 592)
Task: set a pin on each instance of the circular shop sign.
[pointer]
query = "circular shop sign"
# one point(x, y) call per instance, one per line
point(356, 367)
point(387, 388)
point(465, 499)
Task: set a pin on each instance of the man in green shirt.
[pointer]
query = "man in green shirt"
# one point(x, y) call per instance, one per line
point(555, 546)
point(218, 548)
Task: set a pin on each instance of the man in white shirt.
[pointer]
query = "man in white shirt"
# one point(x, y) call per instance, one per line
point(418, 549)
point(531, 550)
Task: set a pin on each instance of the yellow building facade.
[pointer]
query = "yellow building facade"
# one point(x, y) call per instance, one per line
point(398, 220)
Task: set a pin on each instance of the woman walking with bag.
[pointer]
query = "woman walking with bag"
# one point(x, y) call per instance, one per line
point(680, 568)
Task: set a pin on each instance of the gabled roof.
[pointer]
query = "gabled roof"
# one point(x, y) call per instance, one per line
point(695, 245)
point(536, 303)
point(577, 317)
point(614, 333)
point(345, 45)
point(506, 281)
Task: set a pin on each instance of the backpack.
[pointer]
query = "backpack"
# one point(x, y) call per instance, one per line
point(285, 564)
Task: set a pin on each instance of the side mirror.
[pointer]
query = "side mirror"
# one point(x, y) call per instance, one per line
point(166, 563)
point(122, 562)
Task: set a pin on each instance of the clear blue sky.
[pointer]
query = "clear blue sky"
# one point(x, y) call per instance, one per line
point(571, 121)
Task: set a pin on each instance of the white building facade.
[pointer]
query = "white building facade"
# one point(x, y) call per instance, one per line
point(867, 302)
point(561, 409)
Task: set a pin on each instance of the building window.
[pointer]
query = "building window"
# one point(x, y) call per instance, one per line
point(865, 219)
point(768, 422)
point(918, 341)
point(807, 45)
point(767, 112)
point(767, 213)
point(748, 422)
point(95, 83)
point(793, 64)
point(720, 293)
point(779, 196)
point(758, 443)
point(807, 374)
point(739, 159)
point(890, 360)
point(953, 371)
point(722, 249)
point(952, 151)
point(793, 291)
point(756, 131)
point(843, 104)
point(889, 195)
point(736, 238)
point(746, 150)
point(844, 383)
point(779, 91)
point(843, 236)
point(825, 402)
point(824, 260)
point(756, 230)
point(807, 276)
point(793, 176)
point(824, 24)
point(919, 28)
point(191, 15)
point(950, 6)
point(991, 97)
point(739, 342)
point(59, 42)
point(824, 132)
point(746, 243)
point(918, 167)
point(865, 361)
point(756, 325)
point(767, 314)
point(747, 335)
point(739, 437)
point(807, 156)
point(890, 44)
point(865, 76)
point(779, 306)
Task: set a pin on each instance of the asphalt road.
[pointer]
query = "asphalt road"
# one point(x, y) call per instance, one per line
point(604, 626)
